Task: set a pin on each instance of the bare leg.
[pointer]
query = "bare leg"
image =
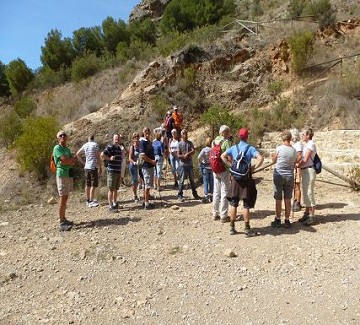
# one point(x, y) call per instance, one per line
point(62, 207)
point(287, 208)
point(278, 209)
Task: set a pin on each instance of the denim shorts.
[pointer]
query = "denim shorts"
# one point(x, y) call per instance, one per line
point(283, 185)
point(148, 173)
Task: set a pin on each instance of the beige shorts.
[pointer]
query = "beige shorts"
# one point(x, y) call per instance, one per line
point(64, 185)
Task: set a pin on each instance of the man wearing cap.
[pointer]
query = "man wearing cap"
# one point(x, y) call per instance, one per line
point(221, 180)
point(112, 155)
point(244, 190)
point(64, 177)
point(178, 119)
point(91, 152)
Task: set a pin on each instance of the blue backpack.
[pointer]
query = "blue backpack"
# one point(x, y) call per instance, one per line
point(240, 168)
point(317, 164)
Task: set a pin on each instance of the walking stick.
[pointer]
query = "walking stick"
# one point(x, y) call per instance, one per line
point(292, 207)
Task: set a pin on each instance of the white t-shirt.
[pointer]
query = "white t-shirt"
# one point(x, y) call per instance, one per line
point(174, 146)
point(311, 146)
point(297, 146)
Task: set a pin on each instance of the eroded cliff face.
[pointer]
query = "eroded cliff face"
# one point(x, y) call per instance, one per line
point(152, 9)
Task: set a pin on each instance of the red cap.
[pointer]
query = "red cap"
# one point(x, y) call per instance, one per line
point(243, 133)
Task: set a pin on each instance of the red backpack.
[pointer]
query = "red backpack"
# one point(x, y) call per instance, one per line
point(216, 163)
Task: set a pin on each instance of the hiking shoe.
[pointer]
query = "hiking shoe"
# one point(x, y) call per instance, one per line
point(93, 204)
point(296, 206)
point(233, 231)
point(205, 200)
point(63, 226)
point(176, 184)
point(216, 218)
point(276, 223)
point(150, 206)
point(225, 220)
point(68, 222)
point(250, 232)
point(181, 199)
point(309, 221)
point(304, 217)
point(196, 197)
point(113, 208)
point(287, 224)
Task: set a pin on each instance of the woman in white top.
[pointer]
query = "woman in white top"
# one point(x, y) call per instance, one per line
point(174, 160)
point(308, 176)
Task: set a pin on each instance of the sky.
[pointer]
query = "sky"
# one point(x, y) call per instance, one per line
point(24, 24)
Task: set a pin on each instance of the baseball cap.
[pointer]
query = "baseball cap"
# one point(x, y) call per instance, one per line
point(60, 133)
point(243, 133)
point(175, 108)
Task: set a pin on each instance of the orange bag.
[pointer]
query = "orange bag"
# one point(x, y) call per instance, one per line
point(52, 164)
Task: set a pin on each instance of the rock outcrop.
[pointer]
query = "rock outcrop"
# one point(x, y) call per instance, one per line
point(152, 9)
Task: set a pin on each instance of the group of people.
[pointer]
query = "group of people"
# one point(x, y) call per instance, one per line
point(293, 162)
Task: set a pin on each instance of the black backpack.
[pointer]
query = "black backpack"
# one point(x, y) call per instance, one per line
point(240, 168)
point(317, 164)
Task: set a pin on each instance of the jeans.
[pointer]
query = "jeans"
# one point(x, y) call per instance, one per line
point(221, 188)
point(174, 161)
point(159, 166)
point(208, 180)
point(185, 172)
point(134, 173)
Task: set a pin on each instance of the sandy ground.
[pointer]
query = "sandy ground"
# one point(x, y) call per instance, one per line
point(171, 265)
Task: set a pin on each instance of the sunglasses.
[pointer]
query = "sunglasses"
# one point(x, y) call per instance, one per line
point(62, 135)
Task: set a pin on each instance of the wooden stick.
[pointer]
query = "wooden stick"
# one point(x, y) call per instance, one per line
point(353, 184)
point(263, 167)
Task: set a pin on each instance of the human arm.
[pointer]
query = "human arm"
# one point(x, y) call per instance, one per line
point(79, 156)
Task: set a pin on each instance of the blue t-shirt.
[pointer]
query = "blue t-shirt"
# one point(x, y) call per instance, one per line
point(158, 148)
point(147, 149)
point(251, 153)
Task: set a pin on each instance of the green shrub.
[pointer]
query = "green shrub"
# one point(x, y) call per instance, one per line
point(296, 8)
point(215, 116)
point(85, 66)
point(276, 87)
point(47, 78)
point(34, 146)
point(322, 11)
point(10, 128)
point(159, 106)
point(24, 106)
point(301, 46)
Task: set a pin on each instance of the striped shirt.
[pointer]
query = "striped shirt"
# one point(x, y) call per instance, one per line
point(90, 149)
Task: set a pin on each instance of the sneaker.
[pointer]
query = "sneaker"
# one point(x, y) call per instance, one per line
point(150, 206)
point(276, 223)
point(296, 206)
point(88, 203)
point(224, 220)
point(196, 197)
point(216, 218)
point(250, 232)
point(181, 199)
point(136, 199)
point(205, 200)
point(93, 204)
point(209, 198)
point(233, 231)
point(309, 221)
point(304, 217)
point(176, 184)
point(63, 226)
point(68, 222)
point(112, 208)
point(287, 224)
